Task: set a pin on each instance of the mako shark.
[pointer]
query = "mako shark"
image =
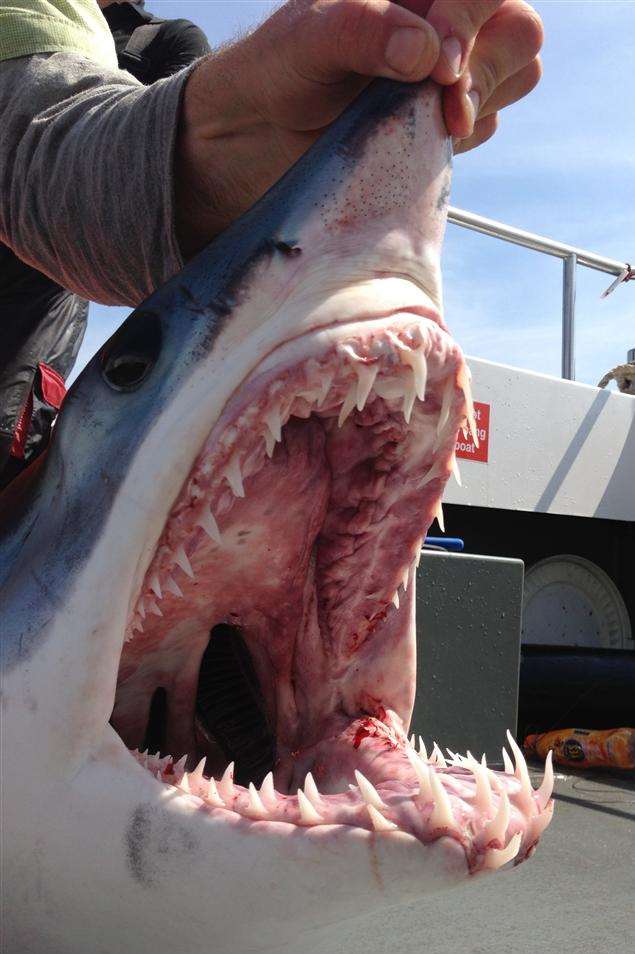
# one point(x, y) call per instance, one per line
point(208, 633)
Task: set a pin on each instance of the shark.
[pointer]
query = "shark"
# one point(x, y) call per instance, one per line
point(207, 585)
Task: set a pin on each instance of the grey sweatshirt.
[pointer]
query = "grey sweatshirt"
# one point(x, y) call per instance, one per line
point(86, 175)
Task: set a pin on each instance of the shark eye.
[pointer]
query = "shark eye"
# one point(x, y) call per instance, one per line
point(130, 355)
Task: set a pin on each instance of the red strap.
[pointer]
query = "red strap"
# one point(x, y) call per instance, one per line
point(52, 384)
point(53, 392)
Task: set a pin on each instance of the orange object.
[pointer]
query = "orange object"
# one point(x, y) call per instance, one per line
point(588, 748)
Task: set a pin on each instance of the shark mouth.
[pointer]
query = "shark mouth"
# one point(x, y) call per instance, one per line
point(268, 665)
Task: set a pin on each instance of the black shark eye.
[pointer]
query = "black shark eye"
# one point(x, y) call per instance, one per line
point(130, 355)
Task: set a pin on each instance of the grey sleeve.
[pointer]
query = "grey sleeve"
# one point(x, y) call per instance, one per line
point(86, 174)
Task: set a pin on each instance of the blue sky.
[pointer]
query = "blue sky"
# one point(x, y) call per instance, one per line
point(562, 164)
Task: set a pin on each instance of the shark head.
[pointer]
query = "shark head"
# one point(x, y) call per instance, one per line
point(208, 641)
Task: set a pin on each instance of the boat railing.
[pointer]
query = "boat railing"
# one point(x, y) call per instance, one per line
point(571, 258)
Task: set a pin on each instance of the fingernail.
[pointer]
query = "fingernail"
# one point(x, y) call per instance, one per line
point(453, 53)
point(475, 103)
point(405, 48)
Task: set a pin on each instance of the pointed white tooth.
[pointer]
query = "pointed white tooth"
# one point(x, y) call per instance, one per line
point(267, 789)
point(369, 793)
point(153, 608)
point(465, 379)
point(398, 343)
point(308, 814)
point(325, 387)
point(496, 829)
point(270, 442)
point(137, 627)
point(413, 742)
point(497, 857)
point(442, 816)
point(521, 772)
point(483, 792)
point(395, 600)
point(432, 473)
point(483, 760)
point(543, 794)
point(405, 579)
point(417, 361)
point(173, 587)
point(456, 471)
point(155, 586)
point(418, 557)
point(508, 765)
point(349, 403)
point(207, 521)
point(453, 755)
point(184, 784)
point(422, 749)
point(350, 351)
point(234, 477)
point(141, 608)
point(197, 776)
point(179, 767)
point(539, 822)
point(366, 375)
point(438, 514)
point(437, 755)
point(226, 784)
point(408, 403)
point(213, 796)
point(255, 807)
point(422, 772)
point(378, 821)
point(311, 790)
point(446, 404)
point(273, 420)
point(181, 559)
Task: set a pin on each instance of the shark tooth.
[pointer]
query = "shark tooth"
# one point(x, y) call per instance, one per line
point(543, 794)
point(522, 773)
point(497, 857)
point(442, 815)
point(180, 557)
point(507, 763)
point(483, 791)
point(141, 608)
point(423, 774)
point(408, 403)
point(365, 379)
point(369, 793)
point(255, 806)
point(153, 608)
point(226, 784)
point(184, 784)
point(270, 442)
point(417, 361)
point(395, 599)
point(273, 420)
point(178, 768)
point(311, 790)
point(234, 477)
point(197, 777)
point(348, 404)
point(405, 579)
point(267, 789)
point(412, 741)
point(379, 822)
point(432, 473)
point(446, 403)
point(308, 814)
point(456, 471)
point(207, 522)
point(173, 587)
point(422, 749)
point(155, 586)
point(496, 829)
point(325, 387)
point(213, 796)
point(438, 757)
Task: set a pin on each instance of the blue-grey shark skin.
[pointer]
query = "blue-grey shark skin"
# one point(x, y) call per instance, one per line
point(98, 856)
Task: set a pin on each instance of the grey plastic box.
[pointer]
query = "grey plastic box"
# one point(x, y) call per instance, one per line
point(468, 651)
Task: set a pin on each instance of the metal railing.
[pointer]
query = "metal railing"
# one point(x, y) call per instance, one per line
point(571, 257)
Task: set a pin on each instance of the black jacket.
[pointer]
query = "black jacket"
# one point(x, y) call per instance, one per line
point(42, 323)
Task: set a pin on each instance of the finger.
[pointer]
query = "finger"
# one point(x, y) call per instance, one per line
point(484, 129)
point(457, 25)
point(513, 88)
point(333, 38)
point(506, 44)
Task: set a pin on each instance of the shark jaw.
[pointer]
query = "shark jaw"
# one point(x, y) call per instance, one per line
point(267, 669)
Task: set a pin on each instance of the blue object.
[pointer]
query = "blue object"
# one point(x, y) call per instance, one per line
point(453, 544)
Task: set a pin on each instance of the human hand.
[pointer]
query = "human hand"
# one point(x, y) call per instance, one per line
point(251, 110)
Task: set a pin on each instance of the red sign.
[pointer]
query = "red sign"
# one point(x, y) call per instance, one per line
point(465, 447)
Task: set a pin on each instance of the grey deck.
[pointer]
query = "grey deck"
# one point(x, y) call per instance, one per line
point(577, 894)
